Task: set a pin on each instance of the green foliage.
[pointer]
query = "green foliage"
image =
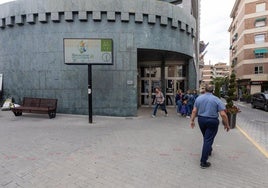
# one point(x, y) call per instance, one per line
point(217, 89)
point(231, 91)
point(244, 90)
point(218, 83)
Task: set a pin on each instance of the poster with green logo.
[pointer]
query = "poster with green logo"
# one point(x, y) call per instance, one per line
point(88, 51)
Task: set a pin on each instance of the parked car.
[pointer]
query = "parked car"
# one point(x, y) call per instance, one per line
point(260, 100)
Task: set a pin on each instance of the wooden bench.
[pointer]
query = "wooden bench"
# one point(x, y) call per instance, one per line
point(37, 105)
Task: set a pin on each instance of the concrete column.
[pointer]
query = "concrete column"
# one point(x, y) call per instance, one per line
point(163, 75)
point(191, 75)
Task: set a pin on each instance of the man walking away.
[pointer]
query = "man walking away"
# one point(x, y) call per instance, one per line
point(207, 107)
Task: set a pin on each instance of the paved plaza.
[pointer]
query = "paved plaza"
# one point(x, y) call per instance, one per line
point(138, 152)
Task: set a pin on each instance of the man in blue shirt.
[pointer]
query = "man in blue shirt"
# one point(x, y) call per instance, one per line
point(207, 107)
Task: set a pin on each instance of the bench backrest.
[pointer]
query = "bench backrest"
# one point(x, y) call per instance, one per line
point(39, 102)
point(31, 102)
point(52, 103)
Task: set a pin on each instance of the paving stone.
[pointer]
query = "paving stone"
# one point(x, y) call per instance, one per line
point(118, 152)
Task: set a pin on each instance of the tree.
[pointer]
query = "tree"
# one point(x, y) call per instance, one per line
point(218, 82)
point(217, 89)
point(231, 109)
point(231, 90)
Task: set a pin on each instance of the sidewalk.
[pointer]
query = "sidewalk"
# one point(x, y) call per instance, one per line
point(139, 152)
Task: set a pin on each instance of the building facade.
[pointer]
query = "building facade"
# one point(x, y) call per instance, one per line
point(249, 44)
point(209, 72)
point(221, 70)
point(155, 43)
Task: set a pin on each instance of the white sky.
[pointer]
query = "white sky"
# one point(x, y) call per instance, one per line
point(215, 21)
point(4, 1)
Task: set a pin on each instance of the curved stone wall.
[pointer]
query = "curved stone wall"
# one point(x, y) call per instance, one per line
point(31, 51)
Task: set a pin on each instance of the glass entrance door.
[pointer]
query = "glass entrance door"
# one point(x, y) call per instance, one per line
point(173, 85)
point(149, 79)
point(175, 76)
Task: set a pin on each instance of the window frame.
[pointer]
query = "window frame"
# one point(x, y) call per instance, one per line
point(261, 23)
point(257, 38)
point(258, 69)
point(260, 7)
point(259, 55)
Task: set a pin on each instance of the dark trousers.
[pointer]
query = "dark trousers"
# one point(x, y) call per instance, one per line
point(163, 107)
point(179, 105)
point(189, 109)
point(209, 129)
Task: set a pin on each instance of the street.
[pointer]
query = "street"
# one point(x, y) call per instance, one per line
point(254, 122)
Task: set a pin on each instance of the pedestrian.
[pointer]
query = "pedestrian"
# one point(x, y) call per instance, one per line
point(207, 108)
point(202, 90)
point(184, 108)
point(195, 94)
point(178, 100)
point(159, 101)
point(190, 103)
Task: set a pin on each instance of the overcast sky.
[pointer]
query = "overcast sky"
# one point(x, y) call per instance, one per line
point(215, 21)
point(4, 1)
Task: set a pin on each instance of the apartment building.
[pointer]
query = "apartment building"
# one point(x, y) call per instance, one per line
point(249, 44)
point(209, 72)
point(221, 70)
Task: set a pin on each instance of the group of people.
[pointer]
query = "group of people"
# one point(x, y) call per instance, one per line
point(206, 108)
point(184, 102)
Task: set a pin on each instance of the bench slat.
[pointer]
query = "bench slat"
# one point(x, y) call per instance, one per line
point(32, 108)
point(31, 102)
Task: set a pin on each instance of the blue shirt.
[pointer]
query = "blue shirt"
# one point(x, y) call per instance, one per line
point(208, 105)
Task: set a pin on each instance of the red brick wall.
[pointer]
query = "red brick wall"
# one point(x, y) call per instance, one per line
point(250, 69)
point(251, 7)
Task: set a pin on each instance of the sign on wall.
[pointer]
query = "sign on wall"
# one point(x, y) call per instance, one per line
point(83, 51)
point(1, 82)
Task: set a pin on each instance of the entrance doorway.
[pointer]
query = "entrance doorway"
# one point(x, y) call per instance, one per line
point(150, 77)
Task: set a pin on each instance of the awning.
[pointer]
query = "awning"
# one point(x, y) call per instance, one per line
point(261, 51)
point(260, 19)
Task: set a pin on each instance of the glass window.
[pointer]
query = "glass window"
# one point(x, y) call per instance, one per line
point(260, 23)
point(260, 7)
point(171, 71)
point(261, 69)
point(179, 71)
point(176, 71)
point(235, 37)
point(258, 69)
point(150, 72)
point(259, 39)
point(145, 86)
point(259, 55)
